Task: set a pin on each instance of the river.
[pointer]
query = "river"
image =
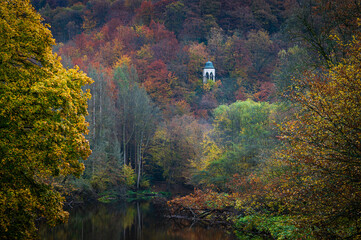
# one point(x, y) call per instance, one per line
point(127, 221)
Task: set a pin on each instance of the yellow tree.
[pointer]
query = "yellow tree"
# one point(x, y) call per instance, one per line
point(42, 123)
point(323, 149)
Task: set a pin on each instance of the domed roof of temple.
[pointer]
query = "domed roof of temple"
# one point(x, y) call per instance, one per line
point(209, 65)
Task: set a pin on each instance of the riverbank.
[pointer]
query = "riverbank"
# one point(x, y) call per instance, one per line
point(220, 209)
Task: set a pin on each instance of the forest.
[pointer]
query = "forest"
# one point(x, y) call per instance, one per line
point(100, 99)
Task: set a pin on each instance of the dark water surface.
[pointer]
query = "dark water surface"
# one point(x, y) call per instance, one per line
point(127, 221)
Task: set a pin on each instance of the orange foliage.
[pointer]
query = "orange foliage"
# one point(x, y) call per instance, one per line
point(202, 200)
point(265, 91)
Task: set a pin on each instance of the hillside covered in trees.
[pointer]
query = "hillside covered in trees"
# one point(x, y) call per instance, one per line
point(276, 136)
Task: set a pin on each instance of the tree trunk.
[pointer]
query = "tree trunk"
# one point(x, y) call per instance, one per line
point(140, 159)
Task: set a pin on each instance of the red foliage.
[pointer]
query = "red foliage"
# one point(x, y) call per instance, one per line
point(170, 73)
point(157, 82)
point(144, 14)
point(160, 31)
point(166, 49)
point(201, 113)
point(240, 94)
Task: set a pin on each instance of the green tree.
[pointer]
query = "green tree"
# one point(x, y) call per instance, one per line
point(242, 136)
point(42, 122)
point(129, 176)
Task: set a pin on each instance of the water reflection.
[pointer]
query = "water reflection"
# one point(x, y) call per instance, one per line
point(127, 221)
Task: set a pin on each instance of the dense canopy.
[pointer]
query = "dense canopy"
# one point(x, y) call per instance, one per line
point(273, 145)
point(42, 122)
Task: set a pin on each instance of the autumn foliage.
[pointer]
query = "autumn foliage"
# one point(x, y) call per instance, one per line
point(322, 147)
point(314, 175)
point(42, 122)
point(275, 138)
